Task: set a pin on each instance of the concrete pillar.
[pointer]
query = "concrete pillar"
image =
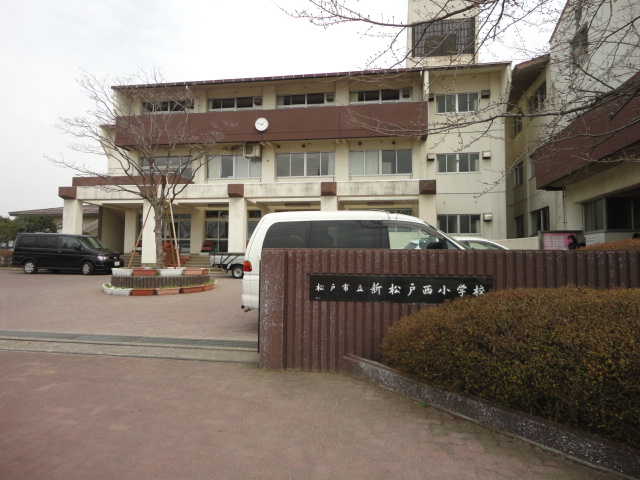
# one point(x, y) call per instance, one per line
point(72, 216)
point(237, 224)
point(197, 231)
point(573, 212)
point(427, 209)
point(329, 204)
point(342, 163)
point(130, 230)
point(148, 236)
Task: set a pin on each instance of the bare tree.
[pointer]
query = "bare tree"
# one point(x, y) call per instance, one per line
point(142, 127)
point(589, 61)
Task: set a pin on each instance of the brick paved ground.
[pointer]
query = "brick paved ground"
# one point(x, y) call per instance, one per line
point(86, 416)
point(96, 417)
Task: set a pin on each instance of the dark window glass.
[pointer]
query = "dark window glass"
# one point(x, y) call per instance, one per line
point(619, 213)
point(404, 161)
point(444, 37)
point(297, 164)
point(287, 235)
point(388, 95)
point(244, 102)
point(315, 98)
point(313, 164)
point(283, 165)
point(298, 99)
point(349, 234)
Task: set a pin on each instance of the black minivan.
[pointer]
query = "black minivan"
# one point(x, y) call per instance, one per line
point(59, 251)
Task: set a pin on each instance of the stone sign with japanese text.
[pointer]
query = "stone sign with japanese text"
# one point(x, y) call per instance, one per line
point(389, 288)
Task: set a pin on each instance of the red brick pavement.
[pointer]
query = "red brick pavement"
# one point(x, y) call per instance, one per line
point(97, 417)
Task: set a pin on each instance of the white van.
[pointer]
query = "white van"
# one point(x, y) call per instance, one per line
point(338, 229)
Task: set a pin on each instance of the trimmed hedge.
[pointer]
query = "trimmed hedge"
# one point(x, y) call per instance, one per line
point(630, 244)
point(571, 355)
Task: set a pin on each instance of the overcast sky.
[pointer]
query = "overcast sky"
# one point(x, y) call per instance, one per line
point(44, 44)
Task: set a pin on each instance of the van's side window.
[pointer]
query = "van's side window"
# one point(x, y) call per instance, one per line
point(348, 234)
point(287, 235)
point(69, 243)
point(46, 241)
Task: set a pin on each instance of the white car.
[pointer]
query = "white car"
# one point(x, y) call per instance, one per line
point(479, 243)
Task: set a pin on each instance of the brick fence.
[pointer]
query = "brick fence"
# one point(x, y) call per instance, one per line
point(301, 332)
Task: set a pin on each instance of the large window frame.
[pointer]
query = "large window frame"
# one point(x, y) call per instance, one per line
point(458, 162)
point(444, 38)
point(305, 164)
point(457, 102)
point(234, 103)
point(459, 223)
point(232, 167)
point(537, 101)
point(380, 162)
point(169, 106)
point(384, 95)
point(612, 214)
point(518, 175)
point(540, 221)
point(174, 165)
point(302, 100)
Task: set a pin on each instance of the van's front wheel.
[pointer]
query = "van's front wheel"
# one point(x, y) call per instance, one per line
point(30, 267)
point(87, 268)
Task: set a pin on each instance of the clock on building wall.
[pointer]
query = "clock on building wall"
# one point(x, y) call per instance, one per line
point(262, 124)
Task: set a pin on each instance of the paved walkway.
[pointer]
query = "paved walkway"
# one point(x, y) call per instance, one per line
point(92, 415)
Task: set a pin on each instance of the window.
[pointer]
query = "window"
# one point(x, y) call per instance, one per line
point(305, 164)
point(612, 213)
point(168, 107)
point(305, 99)
point(520, 226)
point(517, 175)
point(457, 102)
point(444, 37)
point(217, 230)
point(182, 229)
point(237, 103)
point(380, 96)
point(538, 99)
point(459, 223)
point(579, 49)
point(177, 165)
point(458, 162)
point(517, 125)
point(234, 166)
point(540, 221)
point(380, 162)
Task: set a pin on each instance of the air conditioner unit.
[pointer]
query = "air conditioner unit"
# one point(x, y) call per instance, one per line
point(329, 97)
point(257, 101)
point(251, 150)
point(405, 93)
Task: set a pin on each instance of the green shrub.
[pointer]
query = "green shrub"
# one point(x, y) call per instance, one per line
point(569, 354)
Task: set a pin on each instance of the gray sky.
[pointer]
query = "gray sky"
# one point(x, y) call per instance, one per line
point(45, 43)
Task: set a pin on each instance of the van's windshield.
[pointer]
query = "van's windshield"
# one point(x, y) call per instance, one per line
point(92, 242)
point(405, 235)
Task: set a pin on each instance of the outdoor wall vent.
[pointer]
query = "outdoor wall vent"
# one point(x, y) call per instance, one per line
point(485, 93)
point(487, 217)
point(486, 155)
point(431, 156)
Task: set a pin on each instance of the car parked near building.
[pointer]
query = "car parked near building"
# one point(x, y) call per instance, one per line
point(58, 251)
point(479, 243)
